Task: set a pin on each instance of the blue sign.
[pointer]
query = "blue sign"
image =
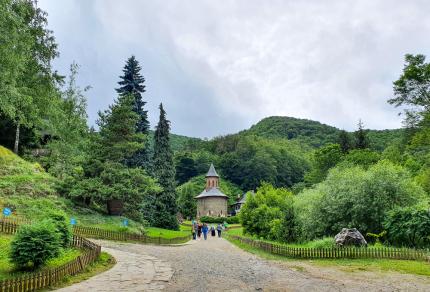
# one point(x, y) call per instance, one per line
point(125, 222)
point(7, 211)
point(73, 221)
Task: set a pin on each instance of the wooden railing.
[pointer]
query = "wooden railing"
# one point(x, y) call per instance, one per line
point(336, 252)
point(48, 277)
point(97, 233)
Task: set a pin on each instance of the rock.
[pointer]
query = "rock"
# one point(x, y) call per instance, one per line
point(350, 236)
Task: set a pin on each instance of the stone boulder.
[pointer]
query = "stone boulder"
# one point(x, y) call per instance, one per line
point(350, 236)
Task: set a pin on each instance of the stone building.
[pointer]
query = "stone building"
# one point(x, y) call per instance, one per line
point(235, 208)
point(212, 202)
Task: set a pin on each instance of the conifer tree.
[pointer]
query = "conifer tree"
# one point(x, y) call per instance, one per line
point(361, 139)
point(118, 135)
point(164, 171)
point(345, 141)
point(132, 82)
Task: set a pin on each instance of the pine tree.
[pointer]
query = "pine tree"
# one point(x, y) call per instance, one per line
point(361, 139)
point(119, 140)
point(345, 141)
point(164, 171)
point(132, 82)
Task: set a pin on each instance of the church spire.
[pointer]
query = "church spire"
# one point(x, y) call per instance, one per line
point(212, 178)
point(212, 172)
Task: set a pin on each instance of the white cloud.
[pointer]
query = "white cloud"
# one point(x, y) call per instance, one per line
point(220, 67)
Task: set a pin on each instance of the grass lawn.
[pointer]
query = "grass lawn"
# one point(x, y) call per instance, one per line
point(7, 269)
point(104, 263)
point(165, 233)
point(347, 265)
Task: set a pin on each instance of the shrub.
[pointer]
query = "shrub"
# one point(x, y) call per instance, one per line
point(354, 197)
point(233, 220)
point(34, 244)
point(208, 219)
point(408, 227)
point(62, 225)
point(326, 242)
point(269, 214)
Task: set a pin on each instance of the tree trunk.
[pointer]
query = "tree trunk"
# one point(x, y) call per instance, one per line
point(15, 148)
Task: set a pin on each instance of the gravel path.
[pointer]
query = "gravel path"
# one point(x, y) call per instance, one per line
point(217, 265)
point(133, 272)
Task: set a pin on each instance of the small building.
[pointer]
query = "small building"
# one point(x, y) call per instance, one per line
point(235, 207)
point(212, 202)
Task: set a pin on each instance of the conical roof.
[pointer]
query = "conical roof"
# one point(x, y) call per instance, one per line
point(212, 171)
point(212, 192)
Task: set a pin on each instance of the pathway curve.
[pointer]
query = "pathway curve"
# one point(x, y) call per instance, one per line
point(217, 265)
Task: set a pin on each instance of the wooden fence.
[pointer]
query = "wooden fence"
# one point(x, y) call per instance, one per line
point(48, 277)
point(94, 232)
point(336, 252)
point(16, 220)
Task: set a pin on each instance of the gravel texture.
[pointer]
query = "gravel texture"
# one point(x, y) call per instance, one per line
point(217, 265)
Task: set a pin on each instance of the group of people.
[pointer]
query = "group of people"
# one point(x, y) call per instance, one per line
point(198, 229)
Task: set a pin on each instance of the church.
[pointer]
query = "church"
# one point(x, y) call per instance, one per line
point(212, 202)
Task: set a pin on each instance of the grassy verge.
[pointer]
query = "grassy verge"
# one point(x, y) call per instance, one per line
point(346, 265)
point(104, 263)
point(165, 233)
point(7, 269)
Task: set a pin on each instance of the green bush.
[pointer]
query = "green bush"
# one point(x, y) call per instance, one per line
point(269, 214)
point(326, 242)
point(60, 220)
point(408, 227)
point(34, 244)
point(208, 219)
point(352, 196)
point(233, 220)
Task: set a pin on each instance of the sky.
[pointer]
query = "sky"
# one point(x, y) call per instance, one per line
point(221, 66)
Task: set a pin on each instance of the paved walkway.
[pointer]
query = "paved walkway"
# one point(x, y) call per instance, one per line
point(133, 272)
point(217, 265)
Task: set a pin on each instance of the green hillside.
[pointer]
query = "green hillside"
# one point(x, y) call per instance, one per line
point(311, 132)
point(19, 177)
point(30, 192)
point(314, 133)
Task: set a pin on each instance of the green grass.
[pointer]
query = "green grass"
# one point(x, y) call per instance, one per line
point(7, 269)
point(347, 265)
point(381, 265)
point(102, 264)
point(156, 232)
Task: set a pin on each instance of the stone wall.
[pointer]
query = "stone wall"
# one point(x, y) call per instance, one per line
point(212, 206)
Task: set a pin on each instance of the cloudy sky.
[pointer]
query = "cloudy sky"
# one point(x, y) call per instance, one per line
point(221, 66)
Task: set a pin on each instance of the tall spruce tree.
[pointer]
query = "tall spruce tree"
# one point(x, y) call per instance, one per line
point(164, 170)
point(132, 82)
point(361, 139)
point(344, 140)
point(119, 140)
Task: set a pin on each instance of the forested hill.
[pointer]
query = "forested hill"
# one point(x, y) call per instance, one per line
point(314, 133)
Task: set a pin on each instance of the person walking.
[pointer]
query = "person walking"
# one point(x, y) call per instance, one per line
point(193, 230)
point(212, 230)
point(219, 229)
point(199, 230)
point(205, 230)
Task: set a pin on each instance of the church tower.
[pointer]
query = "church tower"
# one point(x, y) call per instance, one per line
point(212, 202)
point(212, 178)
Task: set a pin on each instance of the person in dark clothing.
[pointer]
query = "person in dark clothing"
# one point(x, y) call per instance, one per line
point(212, 231)
point(199, 230)
point(219, 229)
